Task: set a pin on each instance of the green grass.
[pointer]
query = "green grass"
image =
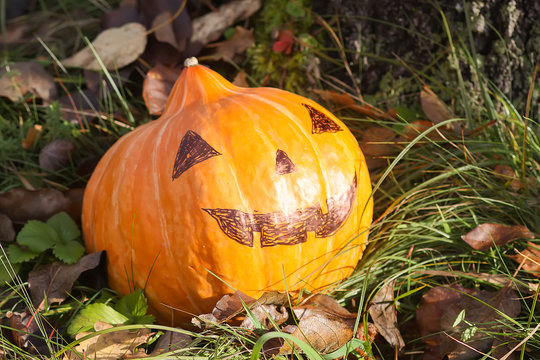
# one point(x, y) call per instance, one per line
point(429, 194)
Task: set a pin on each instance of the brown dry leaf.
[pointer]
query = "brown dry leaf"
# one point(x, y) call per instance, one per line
point(434, 108)
point(484, 236)
point(56, 154)
point(170, 341)
point(27, 334)
point(323, 323)
point(529, 258)
point(383, 314)
point(332, 96)
point(266, 315)
point(7, 232)
point(56, 280)
point(27, 77)
point(240, 80)
point(116, 47)
point(378, 142)
point(209, 27)
point(164, 29)
point(237, 44)
point(415, 128)
point(157, 86)
point(113, 345)
point(441, 306)
point(22, 205)
point(508, 174)
point(126, 12)
point(229, 306)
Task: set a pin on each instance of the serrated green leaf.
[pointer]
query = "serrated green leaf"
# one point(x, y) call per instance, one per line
point(69, 252)
point(87, 317)
point(134, 306)
point(65, 227)
point(17, 254)
point(294, 9)
point(37, 236)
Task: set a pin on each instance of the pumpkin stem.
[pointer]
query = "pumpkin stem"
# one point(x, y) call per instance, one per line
point(191, 61)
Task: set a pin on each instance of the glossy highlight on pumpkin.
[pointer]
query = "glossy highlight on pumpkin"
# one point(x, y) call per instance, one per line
point(249, 189)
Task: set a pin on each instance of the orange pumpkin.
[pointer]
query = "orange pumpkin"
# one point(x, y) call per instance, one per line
point(231, 188)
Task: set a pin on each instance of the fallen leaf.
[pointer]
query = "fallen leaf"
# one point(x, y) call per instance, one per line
point(170, 341)
point(157, 86)
point(7, 232)
point(267, 316)
point(164, 29)
point(434, 108)
point(116, 47)
point(240, 80)
point(507, 173)
point(237, 44)
point(323, 323)
point(26, 332)
point(383, 314)
point(27, 77)
point(56, 154)
point(22, 205)
point(484, 236)
point(332, 96)
point(440, 307)
point(126, 13)
point(284, 43)
point(111, 345)
point(54, 281)
point(529, 258)
point(415, 128)
point(378, 142)
point(209, 27)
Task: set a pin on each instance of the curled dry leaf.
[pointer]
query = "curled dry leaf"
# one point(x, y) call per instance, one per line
point(56, 280)
point(230, 306)
point(440, 308)
point(27, 77)
point(529, 258)
point(237, 44)
point(157, 85)
point(116, 47)
point(56, 154)
point(378, 142)
point(484, 236)
point(209, 27)
point(22, 205)
point(164, 29)
point(111, 345)
point(26, 332)
point(31, 136)
point(383, 314)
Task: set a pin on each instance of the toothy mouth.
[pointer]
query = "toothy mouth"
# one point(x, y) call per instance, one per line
point(278, 228)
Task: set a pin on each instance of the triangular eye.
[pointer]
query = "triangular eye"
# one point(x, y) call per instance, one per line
point(320, 122)
point(284, 164)
point(192, 150)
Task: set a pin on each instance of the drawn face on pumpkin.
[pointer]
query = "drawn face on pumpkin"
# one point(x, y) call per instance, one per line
point(276, 228)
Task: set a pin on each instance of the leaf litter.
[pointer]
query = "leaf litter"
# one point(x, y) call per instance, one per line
point(486, 235)
point(21, 78)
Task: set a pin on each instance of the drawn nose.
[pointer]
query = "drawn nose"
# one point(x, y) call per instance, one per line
point(284, 164)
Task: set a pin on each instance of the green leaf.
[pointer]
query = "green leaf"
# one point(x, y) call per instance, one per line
point(5, 274)
point(460, 318)
point(65, 227)
point(134, 306)
point(87, 317)
point(294, 9)
point(17, 254)
point(229, 32)
point(468, 333)
point(69, 252)
point(37, 236)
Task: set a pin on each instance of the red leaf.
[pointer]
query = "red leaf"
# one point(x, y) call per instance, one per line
point(284, 42)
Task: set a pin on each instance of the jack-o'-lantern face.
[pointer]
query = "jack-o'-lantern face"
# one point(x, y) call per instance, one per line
point(252, 189)
point(275, 228)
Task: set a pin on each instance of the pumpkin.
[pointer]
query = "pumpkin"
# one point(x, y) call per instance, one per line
point(249, 189)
